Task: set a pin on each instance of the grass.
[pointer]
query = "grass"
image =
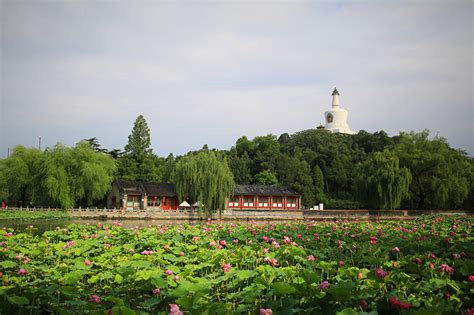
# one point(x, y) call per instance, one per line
point(32, 215)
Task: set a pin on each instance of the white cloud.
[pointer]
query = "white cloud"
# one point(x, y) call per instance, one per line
point(209, 73)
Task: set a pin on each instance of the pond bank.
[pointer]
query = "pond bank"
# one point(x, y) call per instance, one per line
point(260, 214)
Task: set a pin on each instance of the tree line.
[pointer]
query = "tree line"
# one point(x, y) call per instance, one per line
point(366, 170)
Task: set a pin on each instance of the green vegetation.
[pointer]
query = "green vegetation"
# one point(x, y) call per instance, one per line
point(32, 215)
point(381, 182)
point(58, 177)
point(366, 170)
point(423, 266)
point(204, 177)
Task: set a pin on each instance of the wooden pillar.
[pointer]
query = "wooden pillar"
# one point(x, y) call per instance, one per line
point(270, 201)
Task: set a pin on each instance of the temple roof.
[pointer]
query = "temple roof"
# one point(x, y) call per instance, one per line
point(148, 188)
point(264, 190)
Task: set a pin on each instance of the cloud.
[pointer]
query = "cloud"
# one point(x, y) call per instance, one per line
point(209, 73)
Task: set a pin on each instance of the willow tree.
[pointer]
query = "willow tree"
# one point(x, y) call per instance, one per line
point(19, 176)
point(78, 175)
point(381, 182)
point(204, 177)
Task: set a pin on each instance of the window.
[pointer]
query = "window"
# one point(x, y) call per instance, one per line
point(133, 202)
point(277, 202)
point(291, 202)
point(329, 118)
point(263, 201)
point(234, 201)
point(248, 201)
point(154, 201)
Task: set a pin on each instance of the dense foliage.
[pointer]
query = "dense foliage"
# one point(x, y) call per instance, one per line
point(32, 215)
point(204, 177)
point(424, 266)
point(358, 171)
point(365, 170)
point(57, 177)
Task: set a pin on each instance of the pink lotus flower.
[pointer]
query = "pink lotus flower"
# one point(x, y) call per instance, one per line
point(470, 278)
point(324, 285)
point(417, 261)
point(22, 272)
point(226, 267)
point(174, 310)
point(8, 234)
point(69, 244)
point(341, 263)
point(87, 262)
point(271, 261)
point(168, 272)
point(147, 252)
point(223, 242)
point(456, 256)
point(195, 238)
point(396, 250)
point(235, 241)
point(176, 278)
point(212, 244)
point(399, 305)
point(266, 311)
point(286, 240)
point(156, 292)
point(310, 258)
point(265, 238)
point(380, 273)
point(181, 254)
point(95, 299)
point(432, 256)
point(265, 250)
point(446, 268)
point(166, 247)
point(373, 240)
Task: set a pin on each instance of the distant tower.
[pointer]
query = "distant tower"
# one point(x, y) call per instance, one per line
point(336, 118)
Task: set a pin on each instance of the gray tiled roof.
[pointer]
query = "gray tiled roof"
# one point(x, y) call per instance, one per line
point(263, 190)
point(149, 188)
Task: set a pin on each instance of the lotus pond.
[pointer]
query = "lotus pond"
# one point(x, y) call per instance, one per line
point(422, 266)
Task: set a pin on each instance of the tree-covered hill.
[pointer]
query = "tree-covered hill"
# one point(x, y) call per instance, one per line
point(366, 170)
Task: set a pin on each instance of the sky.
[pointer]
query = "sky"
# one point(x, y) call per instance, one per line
point(211, 72)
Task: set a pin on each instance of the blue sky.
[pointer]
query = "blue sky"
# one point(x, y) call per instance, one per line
point(208, 73)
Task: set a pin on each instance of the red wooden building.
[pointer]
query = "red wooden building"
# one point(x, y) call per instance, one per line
point(256, 197)
point(133, 195)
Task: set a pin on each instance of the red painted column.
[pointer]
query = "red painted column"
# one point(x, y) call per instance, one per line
point(270, 201)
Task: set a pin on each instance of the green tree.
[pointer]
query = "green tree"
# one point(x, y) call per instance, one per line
point(138, 161)
point(19, 176)
point(318, 184)
point(381, 183)
point(266, 177)
point(440, 173)
point(206, 177)
point(138, 146)
point(76, 175)
point(240, 166)
point(95, 145)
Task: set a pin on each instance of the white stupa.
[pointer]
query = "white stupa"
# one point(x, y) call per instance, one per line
point(336, 118)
